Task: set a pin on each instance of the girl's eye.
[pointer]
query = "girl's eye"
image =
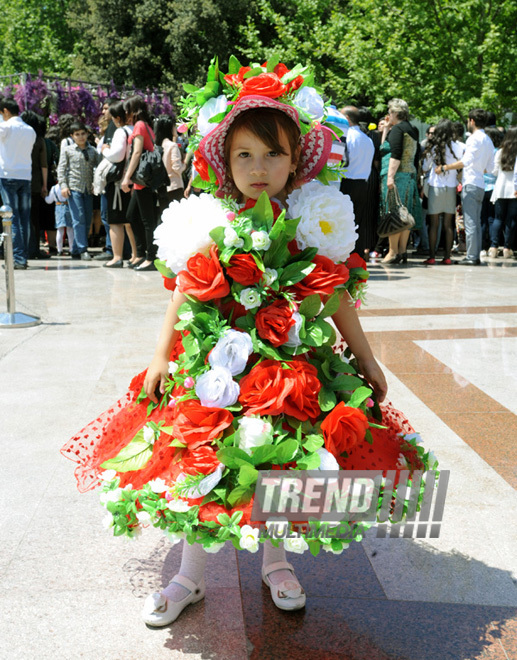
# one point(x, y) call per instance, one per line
point(273, 154)
point(243, 154)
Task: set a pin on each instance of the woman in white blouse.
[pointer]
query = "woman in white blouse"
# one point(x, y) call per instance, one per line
point(441, 150)
point(164, 131)
point(118, 201)
point(503, 196)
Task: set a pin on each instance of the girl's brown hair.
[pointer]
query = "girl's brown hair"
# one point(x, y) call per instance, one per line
point(265, 124)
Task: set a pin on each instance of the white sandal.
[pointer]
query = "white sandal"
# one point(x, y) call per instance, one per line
point(159, 610)
point(288, 594)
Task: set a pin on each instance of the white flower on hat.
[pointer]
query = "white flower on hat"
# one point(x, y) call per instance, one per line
point(217, 389)
point(294, 331)
point(231, 238)
point(232, 351)
point(260, 240)
point(253, 432)
point(185, 229)
point(327, 220)
point(298, 545)
point(250, 298)
point(249, 538)
point(212, 107)
point(308, 100)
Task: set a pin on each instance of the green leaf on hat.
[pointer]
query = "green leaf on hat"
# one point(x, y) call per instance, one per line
point(272, 62)
point(255, 71)
point(190, 89)
point(234, 66)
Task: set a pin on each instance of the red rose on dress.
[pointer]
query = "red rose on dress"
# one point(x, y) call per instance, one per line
point(325, 277)
point(169, 283)
point(204, 278)
point(198, 425)
point(203, 459)
point(265, 84)
point(355, 261)
point(234, 79)
point(274, 322)
point(209, 512)
point(270, 389)
point(243, 269)
point(201, 165)
point(251, 203)
point(343, 428)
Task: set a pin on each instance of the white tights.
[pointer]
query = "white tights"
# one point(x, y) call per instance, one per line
point(60, 237)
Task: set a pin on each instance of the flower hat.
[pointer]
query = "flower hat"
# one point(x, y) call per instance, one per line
point(315, 145)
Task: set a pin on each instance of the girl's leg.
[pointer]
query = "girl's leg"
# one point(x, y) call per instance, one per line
point(394, 246)
point(147, 207)
point(403, 241)
point(448, 219)
point(510, 227)
point(497, 224)
point(132, 242)
point(60, 237)
point(193, 562)
point(70, 235)
point(117, 242)
point(433, 233)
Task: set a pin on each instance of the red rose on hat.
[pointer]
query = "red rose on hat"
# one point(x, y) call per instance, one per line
point(234, 79)
point(251, 203)
point(274, 322)
point(265, 84)
point(201, 166)
point(323, 279)
point(243, 269)
point(204, 278)
point(270, 389)
point(203, 459)
point(198, 425)
point(343, 428)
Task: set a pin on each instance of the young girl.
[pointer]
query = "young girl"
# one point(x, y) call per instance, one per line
point(244, 376)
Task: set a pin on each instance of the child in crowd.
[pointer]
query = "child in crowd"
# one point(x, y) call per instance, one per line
point(75, 176)
point(63, 218)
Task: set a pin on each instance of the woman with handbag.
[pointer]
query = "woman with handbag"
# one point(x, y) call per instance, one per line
point(118, 200)
point(441, 150)
point(400, 158)
point(142, 211)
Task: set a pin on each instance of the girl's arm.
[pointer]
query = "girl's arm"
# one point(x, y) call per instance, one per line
point(159, 368)
point(138, 147)
point(347, 322)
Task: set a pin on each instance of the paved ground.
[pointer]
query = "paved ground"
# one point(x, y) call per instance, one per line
point(447, 337)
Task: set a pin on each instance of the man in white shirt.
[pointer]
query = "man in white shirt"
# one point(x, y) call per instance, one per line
point(477, 159)
point(16, 142)
point(515, 179)
point(360, 157)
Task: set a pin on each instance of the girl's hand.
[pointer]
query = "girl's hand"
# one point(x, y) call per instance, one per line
point(374, 375)
point(390, 183)
point(125, 185)
point(156, 373)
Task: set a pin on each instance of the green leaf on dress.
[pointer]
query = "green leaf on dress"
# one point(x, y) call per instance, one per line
point(133, 456)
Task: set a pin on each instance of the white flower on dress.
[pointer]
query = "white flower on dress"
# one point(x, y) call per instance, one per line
point(280, 525)
point(108, 475)
point(327, 460)
point(111, 496)
point(149, 435)
point(327, 220)
point(215, 547)
point(250, 298)
point(158, 486)
point(308, 99)
point(293, 336)
point(253, 431)
point(328, 548)
point(249, 538)
point(173, 367)
point(107, 521)
point(211, 108)
point(174, 537)
point(217, 389)
point(261, 240)
point(185, 228)
point(298, 545)
point(232, 351)
point(231, 238)
point(143, 517)
point(178, 506)
point(206, 485)
point(269, 276)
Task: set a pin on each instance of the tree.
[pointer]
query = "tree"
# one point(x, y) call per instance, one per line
point(34, 35)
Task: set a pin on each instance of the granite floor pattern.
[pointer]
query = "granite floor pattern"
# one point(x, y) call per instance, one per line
point(446, 339)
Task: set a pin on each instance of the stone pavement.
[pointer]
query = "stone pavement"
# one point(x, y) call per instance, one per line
point(447, 337)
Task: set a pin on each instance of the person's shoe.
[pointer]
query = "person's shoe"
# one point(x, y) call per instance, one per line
point(507, 253)
point(75, 256)
point(287, 595)
point(85, 256)
point(159, 610)
point(469, 262)
point(103, 256)
point(115, 264)
point(402, 257)
point(429, 262)
point(135, 263)
point(18, 266)
point(390, 260)
point(446, 261)
point(140, 269)
point(492, 252)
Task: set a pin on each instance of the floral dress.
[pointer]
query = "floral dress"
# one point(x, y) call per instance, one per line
point(258, 378)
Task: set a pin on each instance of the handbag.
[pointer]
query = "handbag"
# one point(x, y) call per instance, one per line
point(396, 218)
point(150, 171)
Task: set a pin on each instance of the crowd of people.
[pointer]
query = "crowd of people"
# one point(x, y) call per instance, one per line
point(70, 185)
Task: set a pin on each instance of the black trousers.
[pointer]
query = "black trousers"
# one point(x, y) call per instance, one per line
point(357, 189)
point(143, 216)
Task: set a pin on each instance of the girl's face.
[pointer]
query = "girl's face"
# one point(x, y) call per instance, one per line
point(255, 167)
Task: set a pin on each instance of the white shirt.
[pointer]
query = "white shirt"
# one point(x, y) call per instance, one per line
point(16, 141)
point(478, 157)
point(504, 186)
point(447, 179)
point(515, 176)
point(119, 148)
point(360, 154)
